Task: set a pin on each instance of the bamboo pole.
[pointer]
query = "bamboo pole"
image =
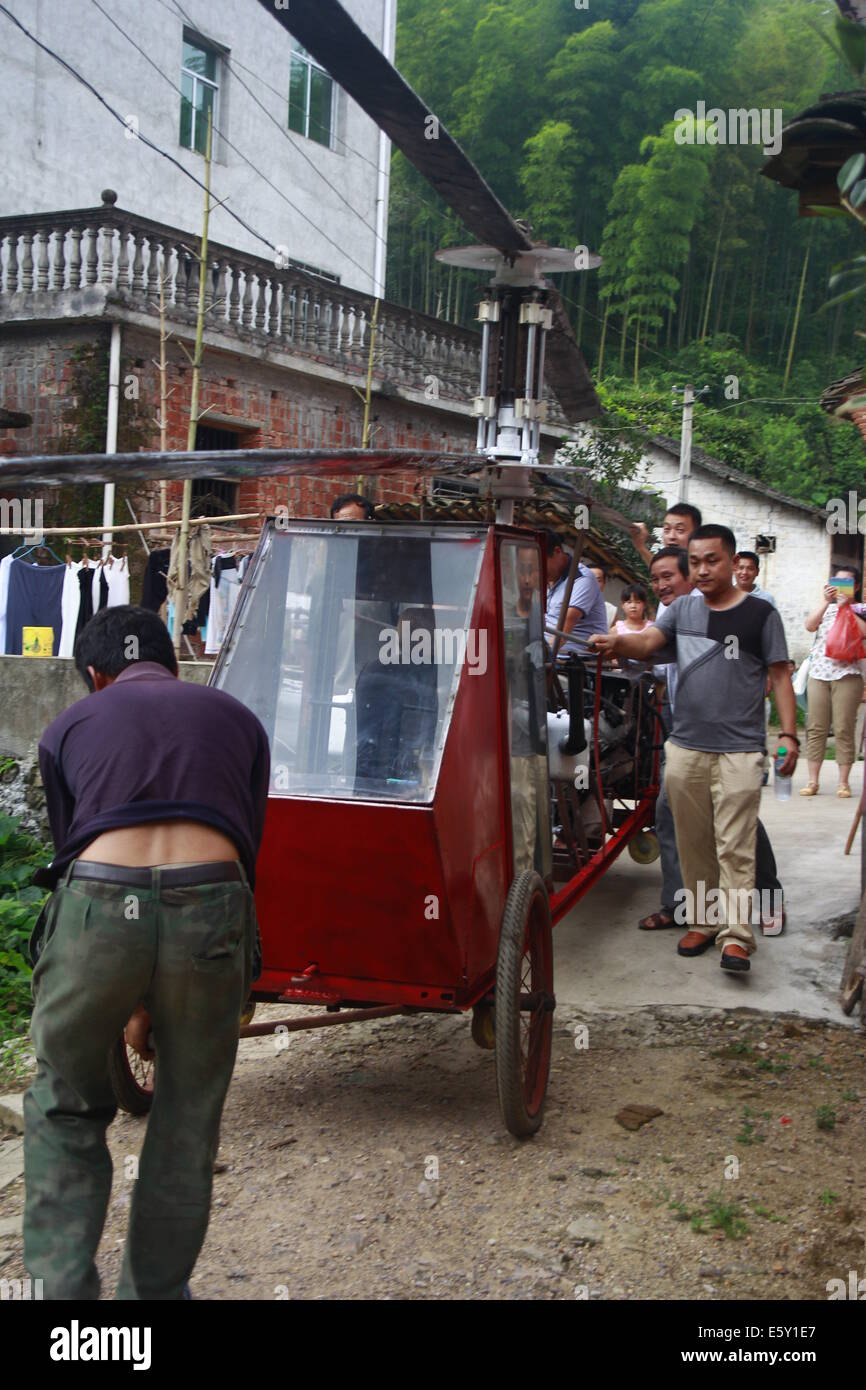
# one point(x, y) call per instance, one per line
point(600, 369)
point(139, 526)
point(797, 312)
point(163, 395)
point(365, 435)
point(183, 539)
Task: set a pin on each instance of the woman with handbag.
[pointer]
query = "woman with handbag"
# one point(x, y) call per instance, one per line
point(835, 686)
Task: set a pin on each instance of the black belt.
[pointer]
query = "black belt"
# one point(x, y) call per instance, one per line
point(223, 872)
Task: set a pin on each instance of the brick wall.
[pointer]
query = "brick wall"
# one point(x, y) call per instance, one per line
point(277, 408)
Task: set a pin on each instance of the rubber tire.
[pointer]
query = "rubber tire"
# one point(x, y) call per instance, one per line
point(130, 1096)
point(525, 921)
point(644, 848)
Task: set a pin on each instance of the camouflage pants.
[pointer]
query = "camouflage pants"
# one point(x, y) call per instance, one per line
point(186, 954)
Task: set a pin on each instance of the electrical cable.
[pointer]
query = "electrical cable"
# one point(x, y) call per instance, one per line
point(151, 144)
point(258, 172)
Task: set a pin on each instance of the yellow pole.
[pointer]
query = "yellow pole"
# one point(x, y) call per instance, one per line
point(183, 539)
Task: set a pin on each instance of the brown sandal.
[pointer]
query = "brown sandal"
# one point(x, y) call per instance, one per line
point(658, 921)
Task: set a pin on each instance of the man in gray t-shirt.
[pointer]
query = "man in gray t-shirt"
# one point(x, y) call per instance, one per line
point(725, 644)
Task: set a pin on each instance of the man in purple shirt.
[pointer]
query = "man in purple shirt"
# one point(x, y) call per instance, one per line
point(156, 794)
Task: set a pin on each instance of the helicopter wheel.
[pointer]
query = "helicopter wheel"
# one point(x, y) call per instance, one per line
point(644, 848)
point(483, 1026)
point(132, 1078)
point(524, 1005)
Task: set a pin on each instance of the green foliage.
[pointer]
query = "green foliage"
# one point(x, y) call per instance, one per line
point(20, 855)
point(570, 116)
point(825, 1117)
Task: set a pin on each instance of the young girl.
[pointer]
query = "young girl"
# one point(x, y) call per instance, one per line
point(633, 601)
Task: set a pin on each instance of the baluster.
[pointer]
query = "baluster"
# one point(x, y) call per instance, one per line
point(234, 295)
point(151, 278)
point(260, 307)
point(277, 307)
point(139, 282)
point(58, 272)
point(192, 284)
point(26, 262)
point(304, 325)
point(91, 260)
point(106, 272)
point(247, 302)
point(42, 260)
point(362, 325)
point(73, 259)
point(290, 312)
point(12, 267)
point(221, 292)
point(123, 258)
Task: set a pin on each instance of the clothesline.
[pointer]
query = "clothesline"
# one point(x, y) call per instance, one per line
point(72, 532)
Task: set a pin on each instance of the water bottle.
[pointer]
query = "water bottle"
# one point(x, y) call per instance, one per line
point(781, 784)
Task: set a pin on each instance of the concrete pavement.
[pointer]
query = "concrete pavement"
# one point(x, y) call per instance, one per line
point(602, 960)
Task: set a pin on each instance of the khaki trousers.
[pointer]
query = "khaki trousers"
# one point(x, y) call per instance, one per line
point(841, 698)
point(715, 798)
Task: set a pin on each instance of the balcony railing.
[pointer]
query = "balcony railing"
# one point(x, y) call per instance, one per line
point(98, 261)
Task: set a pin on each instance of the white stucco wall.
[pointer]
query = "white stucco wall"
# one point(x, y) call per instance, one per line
point(60, 148)
point(795, 574)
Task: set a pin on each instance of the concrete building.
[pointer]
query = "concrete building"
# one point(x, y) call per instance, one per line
point(299, 162)
point(791, 537)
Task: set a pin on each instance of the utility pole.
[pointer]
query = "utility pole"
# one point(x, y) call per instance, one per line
point(689, 399)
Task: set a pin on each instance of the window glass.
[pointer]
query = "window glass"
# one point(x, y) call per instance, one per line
point(321, 89)
point(187, 85)
point(298, 95)
point(198, 95)
point(311, 99)
point(349, 645)
point(526, 704)
point(199, 60)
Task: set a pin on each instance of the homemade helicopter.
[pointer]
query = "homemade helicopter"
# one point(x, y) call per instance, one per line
point(426, 737)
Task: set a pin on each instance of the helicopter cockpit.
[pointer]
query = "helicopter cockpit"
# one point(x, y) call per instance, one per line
point(348, 645)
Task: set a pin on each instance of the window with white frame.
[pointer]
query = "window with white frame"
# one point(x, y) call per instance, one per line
point(199, 92)
point(311, 99)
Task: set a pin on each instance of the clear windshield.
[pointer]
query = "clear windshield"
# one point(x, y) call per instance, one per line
point(348, 645)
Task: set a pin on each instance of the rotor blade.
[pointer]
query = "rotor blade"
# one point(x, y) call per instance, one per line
point(354, 61)
point(564, 367)
point(61, 470)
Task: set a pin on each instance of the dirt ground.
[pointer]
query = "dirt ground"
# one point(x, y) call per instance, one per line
point(370, 1161)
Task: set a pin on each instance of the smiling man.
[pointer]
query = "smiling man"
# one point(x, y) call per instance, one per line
point(726, 643)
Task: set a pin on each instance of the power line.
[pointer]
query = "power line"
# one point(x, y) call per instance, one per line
point(151, 144)
point(258, 172)
point(287, 136)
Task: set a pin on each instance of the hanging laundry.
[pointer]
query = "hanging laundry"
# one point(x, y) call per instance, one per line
point(153, 590)
point(225, 587)
point(85, 606)
point(198, 569)
point(117, 578)
point(100, 588)
point(70, 601)
point(34, 600)
point(5, 566)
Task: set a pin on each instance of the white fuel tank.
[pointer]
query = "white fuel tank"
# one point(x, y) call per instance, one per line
point(565, 765)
